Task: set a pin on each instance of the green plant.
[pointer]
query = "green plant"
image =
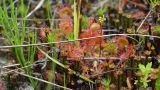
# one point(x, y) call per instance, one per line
point(16, 36)
point(84, 22)
point(100, 12)
point(141, 41)
point(158, 28)
point(49, 13)
point(153, 2)
point(70, 36)
point(51, 37)
point(71, 1)
point(106, 83)
point(158, 82)
point(145, 71)
point(76, 19)
point(23, 9)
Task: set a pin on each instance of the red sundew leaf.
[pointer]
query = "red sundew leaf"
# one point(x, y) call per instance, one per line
point(124, 56)
point(85, 66)
point(101, 87)
point(99, 41)
point(64, 11)
point(97, 32)
point(91, 20)
point(127, 54)
point(121, 41)
point(90, 34)
point(76, 53)
point(130, 49)
point(39, 54)
point(66, 26)
point(138, 14)
point(91, 42)
point(42, 33)
point(100, 69)
point(2, 85)
point(85, 34)
point(101, 66)
point(95, 26)
point(71, 51)
point(65, 49)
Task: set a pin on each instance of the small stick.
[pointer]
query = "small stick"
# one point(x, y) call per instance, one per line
point(36, 8)
point(110, 35)
point(146, 18)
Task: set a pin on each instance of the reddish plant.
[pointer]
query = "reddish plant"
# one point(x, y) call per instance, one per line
point(99, 69)
point(128, 53)
point(95, 26)
point(85, 68)
point(121, 41)
point(65, 48)
point(138, 14)
point(110, 47)
point(95, 31)
point(76, 53)
point(64, 11)
point(39, 54)
point(72, 52)
point(1, 85)
point(66, 25)
point(42, 33)
point(101, 87)
point(91, 20)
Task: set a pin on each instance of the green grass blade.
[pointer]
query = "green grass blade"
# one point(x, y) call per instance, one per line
point(75, 21)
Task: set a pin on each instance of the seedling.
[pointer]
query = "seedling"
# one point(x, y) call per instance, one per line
point(106, 83)
point(145, 71)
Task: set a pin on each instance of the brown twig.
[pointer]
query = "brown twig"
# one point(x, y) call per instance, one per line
point(39, 44)
point(146, 18)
